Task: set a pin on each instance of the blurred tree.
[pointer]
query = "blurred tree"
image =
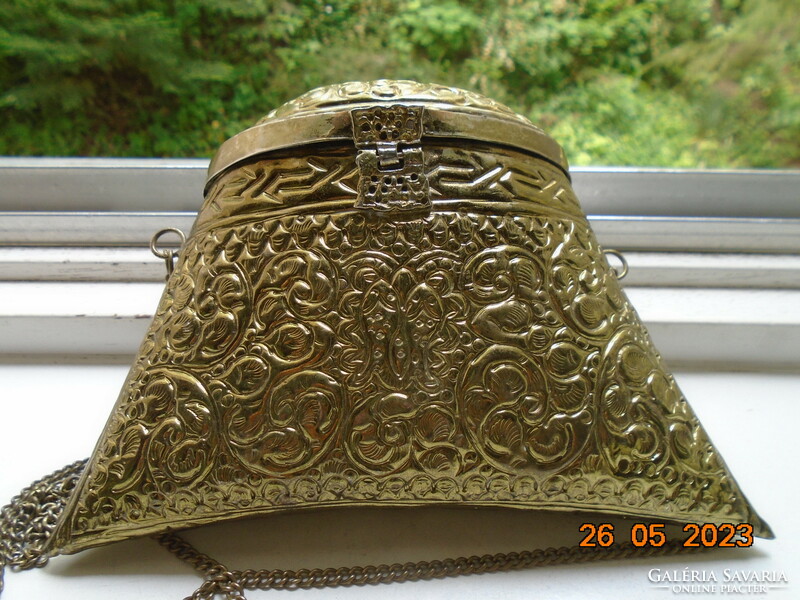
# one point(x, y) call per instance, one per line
point(744, 80)
point(649, 82)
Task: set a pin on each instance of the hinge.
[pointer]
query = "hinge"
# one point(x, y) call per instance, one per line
point(390, 159)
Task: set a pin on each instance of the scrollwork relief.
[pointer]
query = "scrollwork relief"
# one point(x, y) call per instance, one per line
point(300, 360)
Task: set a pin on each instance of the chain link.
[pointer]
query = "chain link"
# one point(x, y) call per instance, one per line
point(29, 519)
point(231, 584)
point(27, 522)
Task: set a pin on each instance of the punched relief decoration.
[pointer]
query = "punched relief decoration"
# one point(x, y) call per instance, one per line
point(312, 360)
point(312, 350)
point(390, 159)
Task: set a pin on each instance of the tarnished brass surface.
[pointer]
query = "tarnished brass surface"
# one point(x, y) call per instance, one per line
point(475, 349)
point(324, 115)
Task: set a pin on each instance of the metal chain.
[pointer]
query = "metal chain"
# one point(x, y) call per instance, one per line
point(224, 580)
point(29, 519)
point(27, 522)
point(220, 580)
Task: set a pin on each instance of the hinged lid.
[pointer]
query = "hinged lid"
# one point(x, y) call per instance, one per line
point(428, 112)
point(390, 160)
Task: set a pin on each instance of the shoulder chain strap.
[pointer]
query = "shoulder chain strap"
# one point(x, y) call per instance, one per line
point(221, 580)
point(29, 519)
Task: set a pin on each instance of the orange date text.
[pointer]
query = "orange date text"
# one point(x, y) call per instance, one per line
point(654, 535)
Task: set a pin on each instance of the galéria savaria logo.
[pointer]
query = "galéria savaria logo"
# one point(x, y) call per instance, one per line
point(723, 582)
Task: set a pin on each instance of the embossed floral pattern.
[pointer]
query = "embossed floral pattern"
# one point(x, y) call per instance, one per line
point(312, 358)
point(386, 90)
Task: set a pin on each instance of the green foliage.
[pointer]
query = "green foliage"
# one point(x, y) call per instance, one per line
point(646, 82)
point(744, 80)
point(446, 31)
point(618, 118)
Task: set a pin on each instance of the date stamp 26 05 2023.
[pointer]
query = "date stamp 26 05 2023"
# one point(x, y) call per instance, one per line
point(654, 535)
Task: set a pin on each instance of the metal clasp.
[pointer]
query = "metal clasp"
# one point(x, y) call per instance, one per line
point(390, 160)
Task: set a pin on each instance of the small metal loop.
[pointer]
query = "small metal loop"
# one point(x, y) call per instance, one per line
point(167, 254)
point(622, 273)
